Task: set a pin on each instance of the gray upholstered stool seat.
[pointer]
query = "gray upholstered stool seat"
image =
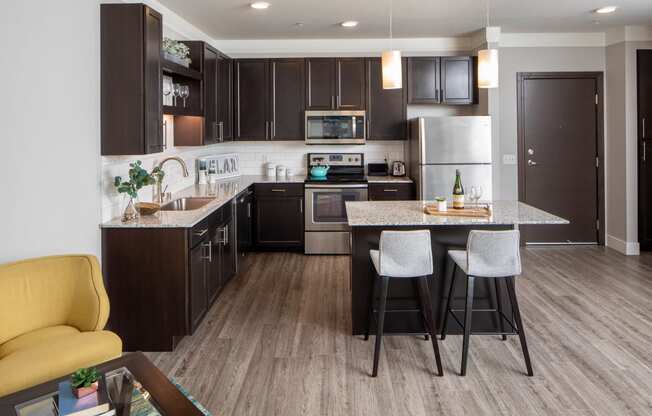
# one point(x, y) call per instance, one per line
point(493, 255)
point(402, 255)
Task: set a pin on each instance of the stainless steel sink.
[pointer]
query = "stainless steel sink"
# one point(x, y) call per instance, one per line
point(186, 204)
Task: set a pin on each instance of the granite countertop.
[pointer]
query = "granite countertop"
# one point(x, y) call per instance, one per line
point(411, 213)
point(223, 191)
point(389, 179)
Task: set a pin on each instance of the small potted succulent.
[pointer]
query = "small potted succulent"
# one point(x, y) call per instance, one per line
point(442, 205)
point(84, 381)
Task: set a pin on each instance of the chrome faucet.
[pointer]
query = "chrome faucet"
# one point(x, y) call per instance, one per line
point(159, 194)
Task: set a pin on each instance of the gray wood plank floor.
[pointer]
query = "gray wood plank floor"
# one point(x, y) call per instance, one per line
point(277, 343)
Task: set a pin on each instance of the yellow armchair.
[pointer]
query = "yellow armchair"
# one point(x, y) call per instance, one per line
point(52, 314)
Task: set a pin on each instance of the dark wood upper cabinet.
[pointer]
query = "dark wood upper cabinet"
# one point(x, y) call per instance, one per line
point(335, 83)
point(131, 81)
point(251, 99)
point(213, 123)
point(320, 83)
point(386, 109)
point(442, 80)
point(225, 97)
point(287, 80)
point(457, 79)
point(423, 80)
point(211, 91)
point(350, 84)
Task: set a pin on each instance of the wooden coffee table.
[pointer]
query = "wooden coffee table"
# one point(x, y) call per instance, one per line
point(169, 400)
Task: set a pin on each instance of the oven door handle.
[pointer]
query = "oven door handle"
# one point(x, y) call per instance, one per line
point(338, 186)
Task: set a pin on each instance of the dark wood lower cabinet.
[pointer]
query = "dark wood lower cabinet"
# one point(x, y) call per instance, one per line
point(279, 216)
point(162, 281)
point(391, 191)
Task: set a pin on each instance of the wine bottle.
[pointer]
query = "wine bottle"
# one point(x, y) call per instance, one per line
point(458, 192)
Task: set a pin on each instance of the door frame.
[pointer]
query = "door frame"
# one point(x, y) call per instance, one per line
point(598, 77)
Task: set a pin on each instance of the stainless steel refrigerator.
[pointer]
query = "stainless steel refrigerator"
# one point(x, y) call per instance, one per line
point(440, 145)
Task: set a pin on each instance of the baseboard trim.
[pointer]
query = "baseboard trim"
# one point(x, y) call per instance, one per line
point(628, 248)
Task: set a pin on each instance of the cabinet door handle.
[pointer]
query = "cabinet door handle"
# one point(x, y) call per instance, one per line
point(278, 190)
point(644, 151)
point(201, 233)
point(209, 246)
point(226, 234)
point(223, 233)
point(643, 135)
point(165, 134)
point(249, 210)
point(390, 190)
point(332, 101)
point(301, 205)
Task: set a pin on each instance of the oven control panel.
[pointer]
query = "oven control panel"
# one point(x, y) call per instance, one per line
point(336, 159)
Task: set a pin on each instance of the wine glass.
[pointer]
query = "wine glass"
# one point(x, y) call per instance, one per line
point(475, 194)
point(167, 90)
point(175, 93)
point(184, 91)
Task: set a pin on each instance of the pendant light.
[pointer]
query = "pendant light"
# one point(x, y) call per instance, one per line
point(488, 64)
point(391, 61)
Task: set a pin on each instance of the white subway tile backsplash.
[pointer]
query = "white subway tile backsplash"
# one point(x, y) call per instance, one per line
point(253, 157)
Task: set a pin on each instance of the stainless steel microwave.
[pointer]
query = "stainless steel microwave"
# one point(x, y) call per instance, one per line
point(336, 127)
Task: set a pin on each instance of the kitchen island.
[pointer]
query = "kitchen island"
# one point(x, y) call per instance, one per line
point(368, 219)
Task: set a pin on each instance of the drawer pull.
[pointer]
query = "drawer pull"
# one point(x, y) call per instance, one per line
point(391, 190)
point(201, 233)
point(209, 246)
point(278, 190)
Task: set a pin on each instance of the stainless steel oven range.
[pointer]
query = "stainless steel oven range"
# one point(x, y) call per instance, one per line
point(327, 231)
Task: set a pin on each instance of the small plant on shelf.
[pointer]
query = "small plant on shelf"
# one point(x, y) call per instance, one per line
point(84, 381)
point(176, 51)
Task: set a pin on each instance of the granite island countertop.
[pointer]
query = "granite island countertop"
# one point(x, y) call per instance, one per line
point(222, 191)
point(411, 213)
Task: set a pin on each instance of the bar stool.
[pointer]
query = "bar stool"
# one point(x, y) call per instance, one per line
point(402, 255)
point(494, 255)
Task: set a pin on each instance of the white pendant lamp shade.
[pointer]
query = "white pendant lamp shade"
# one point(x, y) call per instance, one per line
point(488, 68)
point(392, 70)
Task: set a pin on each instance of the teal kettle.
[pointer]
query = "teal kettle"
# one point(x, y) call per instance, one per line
point(319, 171)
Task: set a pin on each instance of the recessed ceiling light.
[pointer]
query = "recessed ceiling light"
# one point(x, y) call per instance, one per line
point(606, 9)
point(260, 5)
point(349, 23)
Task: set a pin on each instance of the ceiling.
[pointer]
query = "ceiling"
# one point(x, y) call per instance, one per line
point(234, 19)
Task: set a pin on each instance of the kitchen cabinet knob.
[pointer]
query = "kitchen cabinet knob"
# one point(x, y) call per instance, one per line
point(530, 152)
point(531, 163)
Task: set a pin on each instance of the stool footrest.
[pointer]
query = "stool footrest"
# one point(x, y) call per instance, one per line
point(500, 316)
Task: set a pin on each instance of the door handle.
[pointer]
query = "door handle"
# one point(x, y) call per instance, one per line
point(249, 210)
point(301, 205)
point(201, 233)
point(643, 133)
point(278, 190)
point(390, 190)
point(531, 163)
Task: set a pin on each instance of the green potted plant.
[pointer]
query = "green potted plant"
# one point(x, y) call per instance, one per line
point(138, 178)
point(84, 381)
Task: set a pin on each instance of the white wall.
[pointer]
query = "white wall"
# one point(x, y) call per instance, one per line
point(49, 128)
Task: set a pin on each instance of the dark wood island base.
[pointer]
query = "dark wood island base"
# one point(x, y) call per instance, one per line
point(402, 294)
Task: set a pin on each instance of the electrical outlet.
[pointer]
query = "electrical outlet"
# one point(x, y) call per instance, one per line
point(509, 159)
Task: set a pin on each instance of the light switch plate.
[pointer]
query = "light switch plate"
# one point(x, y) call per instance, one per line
point(509, 159)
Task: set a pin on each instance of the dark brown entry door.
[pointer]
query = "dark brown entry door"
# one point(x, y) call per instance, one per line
point(644, 59)
point(558, 148)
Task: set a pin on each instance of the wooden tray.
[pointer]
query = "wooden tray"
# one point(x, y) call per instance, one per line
point(475, 212)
